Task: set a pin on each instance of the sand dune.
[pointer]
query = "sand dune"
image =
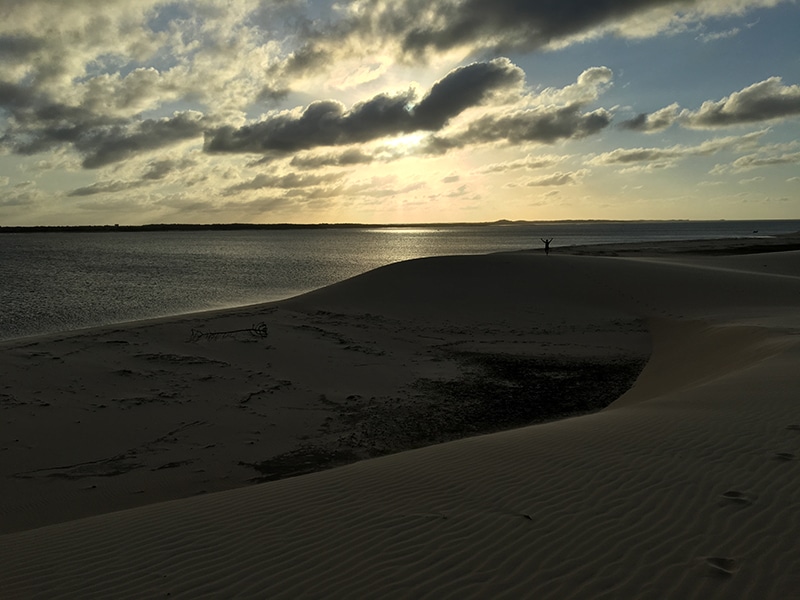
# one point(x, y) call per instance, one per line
point(686, 486)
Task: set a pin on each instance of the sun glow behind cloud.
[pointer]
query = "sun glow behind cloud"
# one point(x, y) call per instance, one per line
point(405, 144)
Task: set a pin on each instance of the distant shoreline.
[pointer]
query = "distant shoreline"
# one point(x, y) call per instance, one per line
point(286, 226)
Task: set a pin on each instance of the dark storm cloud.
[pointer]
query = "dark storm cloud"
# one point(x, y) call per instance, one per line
point(763, 101)
point(327, 123)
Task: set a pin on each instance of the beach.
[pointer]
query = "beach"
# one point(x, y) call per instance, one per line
point(600, 422)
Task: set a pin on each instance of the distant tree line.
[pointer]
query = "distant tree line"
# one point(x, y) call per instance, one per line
point(215, 227)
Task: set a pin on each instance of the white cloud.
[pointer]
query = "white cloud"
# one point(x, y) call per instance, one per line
point(751, 180)
point(714, 36)
point(588, 88)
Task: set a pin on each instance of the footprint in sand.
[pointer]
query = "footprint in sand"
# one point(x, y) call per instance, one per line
point(737, 497)
point(720, 565)
point(784, 456)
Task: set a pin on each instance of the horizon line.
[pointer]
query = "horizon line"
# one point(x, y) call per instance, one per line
point(344, 225)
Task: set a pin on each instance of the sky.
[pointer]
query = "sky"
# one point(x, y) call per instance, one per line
point(397, 111)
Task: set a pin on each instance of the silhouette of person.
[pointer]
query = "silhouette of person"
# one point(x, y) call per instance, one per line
point(546, 244)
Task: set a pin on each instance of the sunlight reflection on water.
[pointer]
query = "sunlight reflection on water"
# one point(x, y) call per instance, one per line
point(62, 281)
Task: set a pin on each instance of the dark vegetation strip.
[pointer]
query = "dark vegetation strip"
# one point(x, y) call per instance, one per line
point(219, 227)
point(494, 393)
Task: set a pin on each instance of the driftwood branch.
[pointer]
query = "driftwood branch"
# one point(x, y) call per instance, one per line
point(259, 330)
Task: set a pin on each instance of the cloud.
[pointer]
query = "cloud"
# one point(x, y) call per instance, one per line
point(349, 157)
point(287, 181)
point(764, 101)
point(511, 23)
point(143, 88)
point(104, 146)
point(544, 125)
point(322, 123)
point(767, 100)
point(662, 157)
point(723, 35)
point(159, 169)
point(718, 35)
point(56, 39)
point(80, 77)
point(417, 30)
point(754, 161)
point(105, 187)
point(545, 118)
point(636, 155)
point(382, 191)
point(328, 123)
point(15, 47)
point(463, 88)
point(590, 84)
point(124, 57)
point(24, 193)
point(39, 124)
point(529, 162)
point(657, 121)
point(558, 178)
point(26, 105)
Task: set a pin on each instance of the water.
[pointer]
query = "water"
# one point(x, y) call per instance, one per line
point(60, 281)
